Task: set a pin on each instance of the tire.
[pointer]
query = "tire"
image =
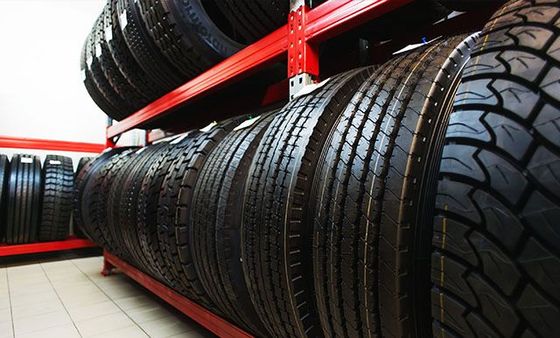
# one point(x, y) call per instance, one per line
point(143, 48)
point(254, 19)
point(124, 59)
point(495, 246)
point(148, 202)
point(95, 203)
point(93, 53)
point(81, 183)
point(127, 206)
point(186, 35)
point(216, 225)
point(82, 163)
point(276, 240)
point(369, 259)
point(24, 199)
point(89, 83)
point(125, 91)
point(174, 210)
point(4, 176)
point(58, 193)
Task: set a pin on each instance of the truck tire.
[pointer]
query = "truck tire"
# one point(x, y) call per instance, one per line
point(276, 236)
point(369, 259)
point(496, 242)
point(175, 204)
point(58, 193)
point(24, 199)
point(216, 227)
point(186, 35)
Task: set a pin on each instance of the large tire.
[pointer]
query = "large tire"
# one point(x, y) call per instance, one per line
point(276, 232)
point(496, 242)
point(95, 203)
point(4, 175)
point(148, 204)
point(93, 53)
point(186, 35)
point(254, 19)
point(175, 204)
point(89, 83)
point(132, 99)
point(124, 59)
point(58, 193)
point(84, 176)
point(369, 260)
point(24, 199)
point(216, 225)
point(143, 48)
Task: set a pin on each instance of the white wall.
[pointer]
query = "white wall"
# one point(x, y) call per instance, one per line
point(41, 90)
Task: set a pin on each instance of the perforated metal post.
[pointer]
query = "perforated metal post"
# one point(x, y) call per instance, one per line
point(303, 58)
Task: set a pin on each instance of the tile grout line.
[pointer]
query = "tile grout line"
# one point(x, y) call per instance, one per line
point(10, 301)
point(60, 299)
point(111, 298)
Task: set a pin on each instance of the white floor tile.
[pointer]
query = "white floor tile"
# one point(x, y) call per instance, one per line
point(127, 332)
point(37, 309)
point(6, 330)
point(103, 324)
point(165, 327)
point(40, 322)
point(61, 331)
point(149, 313)
point(81, 313)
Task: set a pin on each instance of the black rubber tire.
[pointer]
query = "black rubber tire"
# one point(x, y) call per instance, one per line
point(96, 205)
point(143, 48)
point(58, 196)
point(93, 52)
point(132, 99)
point(216, 225)
point(148, 202)
point(89, 83)
point(186, 35)
point(276, 231)
point(24, 199)
point(124, 59)
point(254, 19)
point(369, 260)
point(174, 210)
point(496, 242)
point(127, 206)
point(82, 163)
point(4, 175)
point(81, 182)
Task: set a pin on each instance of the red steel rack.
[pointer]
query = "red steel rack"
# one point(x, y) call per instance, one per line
point(210, 321)
point(31, 143)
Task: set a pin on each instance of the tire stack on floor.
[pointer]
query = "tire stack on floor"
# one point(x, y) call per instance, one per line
point(139, 50)
point(35, 203)
point(418, 198)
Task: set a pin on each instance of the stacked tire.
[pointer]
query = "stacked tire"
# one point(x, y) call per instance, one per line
point(35, 202)
point(417, 198)
point(139, 50)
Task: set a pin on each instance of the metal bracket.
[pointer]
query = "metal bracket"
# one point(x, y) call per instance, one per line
point(303, 58)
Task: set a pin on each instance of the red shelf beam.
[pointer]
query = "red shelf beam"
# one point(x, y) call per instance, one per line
point(34, 143)
point(209, 320)
point(33, 248)
point(327, 20)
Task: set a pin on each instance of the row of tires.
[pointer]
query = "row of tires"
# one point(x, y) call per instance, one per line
point(417, 198)
point(35, 202)
point(138, 50)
